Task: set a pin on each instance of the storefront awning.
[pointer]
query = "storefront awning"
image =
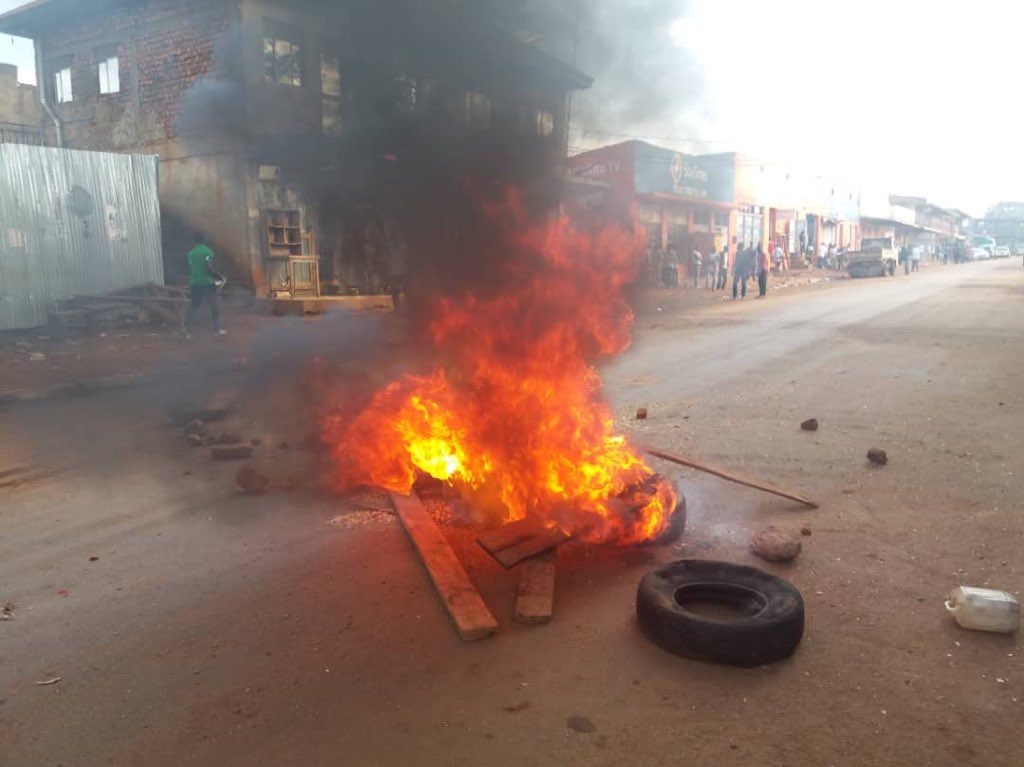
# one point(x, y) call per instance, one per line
point(680, 200)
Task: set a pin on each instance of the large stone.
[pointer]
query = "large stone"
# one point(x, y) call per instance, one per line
point(877, 456)
point(776, 545)
point(251, 481)
point(811, 424)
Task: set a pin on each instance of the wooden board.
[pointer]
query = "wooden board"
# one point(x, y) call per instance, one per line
point(464, 604)
point(501, 538)
point(535, 597)
point(531, 547)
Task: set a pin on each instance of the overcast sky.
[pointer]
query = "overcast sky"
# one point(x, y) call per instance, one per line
point(905, 96)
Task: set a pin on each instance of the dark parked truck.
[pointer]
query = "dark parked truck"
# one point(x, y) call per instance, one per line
point(877, 257)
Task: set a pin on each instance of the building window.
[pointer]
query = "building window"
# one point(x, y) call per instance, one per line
point(282, 53)
point(330, 86)
point(406, 92)
point(62, 93)
point(110, 75)
point(477, 111)
point(330, 76)
point(331, 116)
point(544, 122)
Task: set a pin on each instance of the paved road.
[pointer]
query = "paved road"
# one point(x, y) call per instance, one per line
point(217, 629)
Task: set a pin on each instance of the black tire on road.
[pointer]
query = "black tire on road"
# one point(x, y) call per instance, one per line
point(768, 628)
point(676, 525)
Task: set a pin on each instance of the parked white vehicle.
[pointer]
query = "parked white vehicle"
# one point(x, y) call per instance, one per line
point(979, 254)
point(1001, 251)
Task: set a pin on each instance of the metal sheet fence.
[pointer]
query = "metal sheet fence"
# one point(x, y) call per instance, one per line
point(73, 222)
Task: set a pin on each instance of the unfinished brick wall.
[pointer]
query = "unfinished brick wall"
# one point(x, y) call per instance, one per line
point(165, 49)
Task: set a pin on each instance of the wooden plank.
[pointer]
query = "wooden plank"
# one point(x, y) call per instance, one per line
point(685, 460)
point(535, 597)
point(531, 547)
point(501, 538)
point(464, 604)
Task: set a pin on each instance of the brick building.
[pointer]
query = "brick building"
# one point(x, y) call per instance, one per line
point(300, 135)
point(19, 109)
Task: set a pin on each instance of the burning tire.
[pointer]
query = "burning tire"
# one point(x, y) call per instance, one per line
point(676, 525)
point(765, 624)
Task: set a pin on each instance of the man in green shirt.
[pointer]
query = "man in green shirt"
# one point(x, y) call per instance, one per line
point(203, 284)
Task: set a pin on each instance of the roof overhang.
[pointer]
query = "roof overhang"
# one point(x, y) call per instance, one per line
point(32, 18)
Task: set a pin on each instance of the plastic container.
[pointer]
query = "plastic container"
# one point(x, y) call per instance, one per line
point(984, 609)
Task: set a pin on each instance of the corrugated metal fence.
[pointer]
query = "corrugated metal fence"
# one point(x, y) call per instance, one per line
point(72, 223)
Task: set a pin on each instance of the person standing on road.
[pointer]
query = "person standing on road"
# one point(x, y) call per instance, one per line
point(723, 269)
point(741, 269)
point(778, 256)
point(915, 259)
point(905, 258)
point(696, 262)
point(672, 266)
point(764, 265)
point(203, 283)
point(711, 273)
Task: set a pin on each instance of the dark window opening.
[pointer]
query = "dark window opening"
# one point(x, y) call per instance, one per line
point(282, 53)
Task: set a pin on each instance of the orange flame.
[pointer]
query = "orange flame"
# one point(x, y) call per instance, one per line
point(514, 419)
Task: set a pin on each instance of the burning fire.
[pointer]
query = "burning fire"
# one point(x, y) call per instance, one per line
point(514, 418)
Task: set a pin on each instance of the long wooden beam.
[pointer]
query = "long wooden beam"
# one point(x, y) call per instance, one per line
point(464, 604)
point(693, 463)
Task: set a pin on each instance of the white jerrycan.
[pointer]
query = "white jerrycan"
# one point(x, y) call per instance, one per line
point(984, 609)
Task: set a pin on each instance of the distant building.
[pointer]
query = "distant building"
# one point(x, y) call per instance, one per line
point(935, 224)
point(707, 202)
point(19, 109)
point(301, 136)
point(1005, 222)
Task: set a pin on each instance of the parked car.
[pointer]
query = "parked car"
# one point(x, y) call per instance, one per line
point(1001, 251)
point(979, 254)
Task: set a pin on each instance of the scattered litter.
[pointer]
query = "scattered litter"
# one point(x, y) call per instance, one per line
point(251, 481)
point(641, 413)
point(518, 707)
point(1000, 681)
point(775, 545)
point(94, 559)
point(194, 440)
point(580, 724)
point(362, 519)
point(805, 531)
point(7, 612)
point(195, 427)
point(811, 424)
point(878, 456)
point(37, 356)
point(47, 682)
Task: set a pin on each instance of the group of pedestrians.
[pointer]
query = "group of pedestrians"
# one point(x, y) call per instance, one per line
point(751, 262)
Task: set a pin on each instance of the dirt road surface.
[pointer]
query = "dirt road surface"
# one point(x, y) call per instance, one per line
point(192, 625)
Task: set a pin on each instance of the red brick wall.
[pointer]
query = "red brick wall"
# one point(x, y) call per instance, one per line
point(165, 47)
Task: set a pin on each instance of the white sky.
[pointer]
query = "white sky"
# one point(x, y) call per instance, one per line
point(904, 96)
